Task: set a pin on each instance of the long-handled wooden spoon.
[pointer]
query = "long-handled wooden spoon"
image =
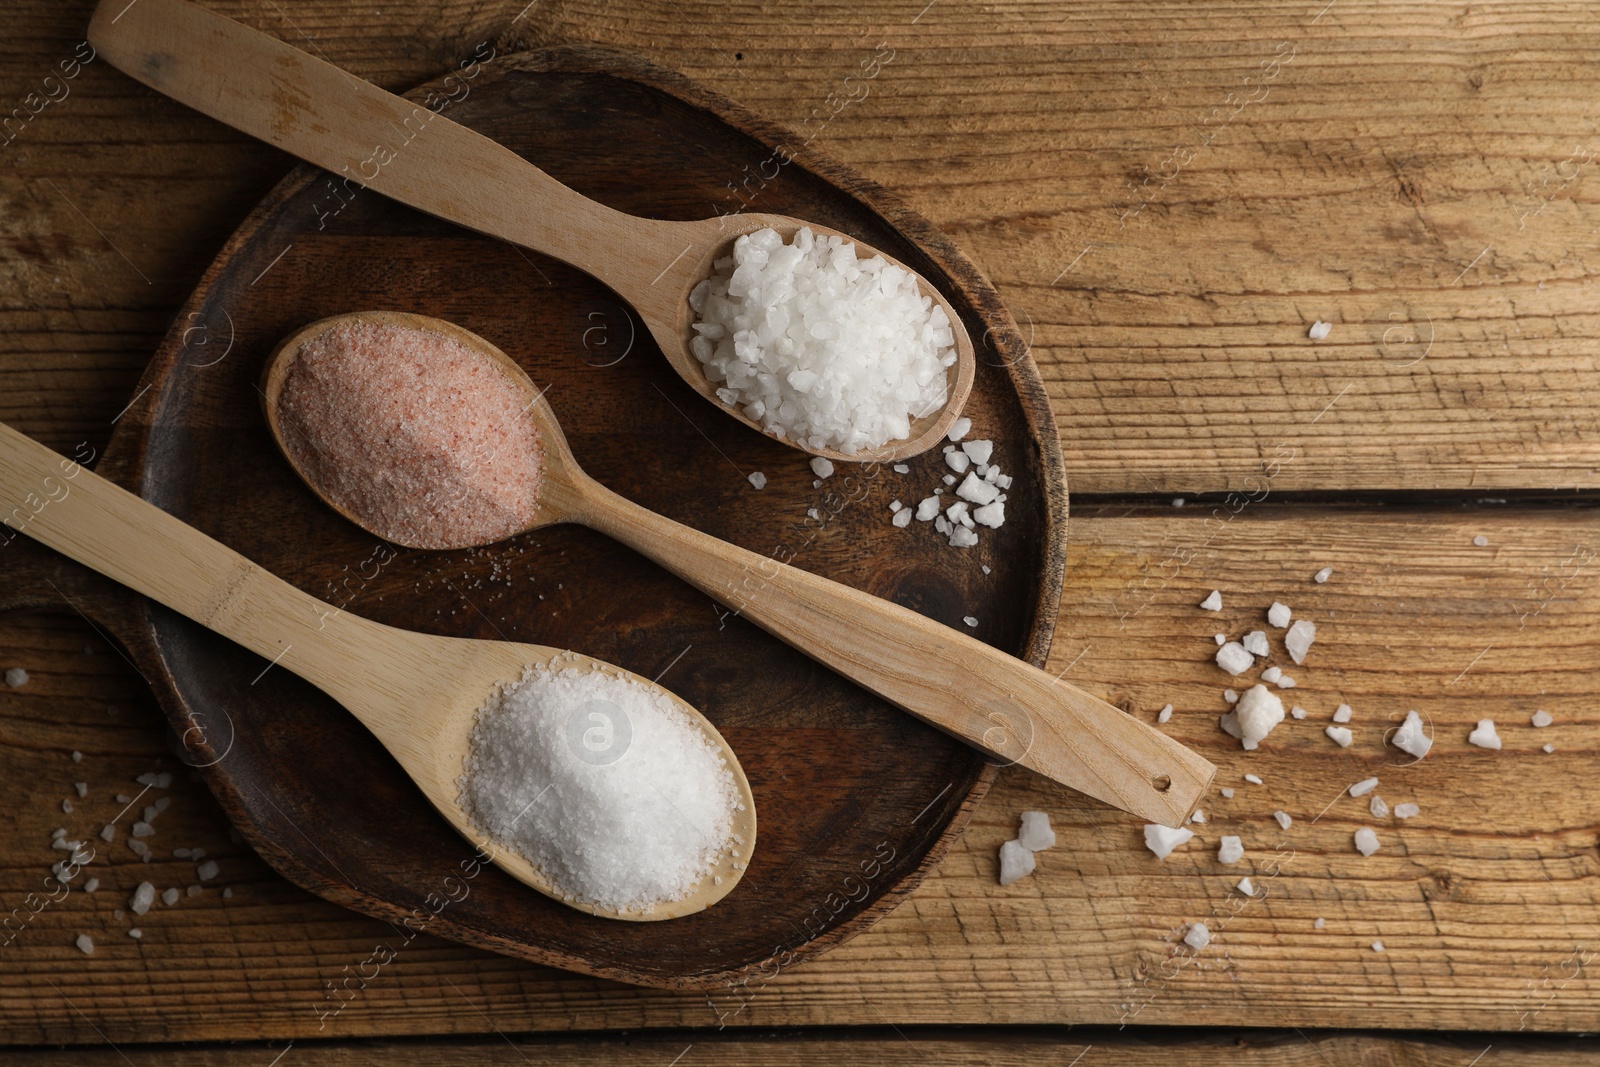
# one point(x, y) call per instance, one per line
point(327, 116)
point(993, 701)
point(418, 693)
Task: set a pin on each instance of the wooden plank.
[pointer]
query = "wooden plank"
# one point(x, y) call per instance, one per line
point(1419, 176)
point(877, 1045)
point(1486, 902)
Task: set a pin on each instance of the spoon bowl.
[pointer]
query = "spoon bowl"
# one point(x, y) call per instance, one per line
point(331, 118)
point(418, 693)
point(996, 703)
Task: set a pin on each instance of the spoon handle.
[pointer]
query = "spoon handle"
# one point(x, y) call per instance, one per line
point(85, 517)
point(994, 702)
point(369, 138)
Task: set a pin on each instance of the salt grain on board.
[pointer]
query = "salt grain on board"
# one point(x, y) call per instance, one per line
point(1284, 821)
point(1484, 735)
point(1197, 937)
point(1232, 658)
point(1278, 615)
point(1366, 841)
point(822, 467)
point(1319, 330)
point(1161, 840)
point(1542, 718)
point(1323, 575)
point(1363, 787)
point(1407, 811)
point(1165, 714)
point(1226, 792)
point(1015, 862)
point(1246, 886)
point(1377, 806)
point(1253, 780)
point(758, 480)
point(1342, 713)
point(1298, 639)
point(1410, 738)
point(1212, 602)
point(1231, 850)
point(1341, 735)
point(1036, 833)
point(1298, 712)
point(1255, 643)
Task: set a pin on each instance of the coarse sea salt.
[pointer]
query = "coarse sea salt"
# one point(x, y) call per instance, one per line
point(1255, 643)
point(1233, 658)
point(1323, 575)
point(16, 677)
point(1363, 787)
point(1341, 735)
point(1342, 713)
point(1298, 639)
point(1163, 839)
point(1410, 737)
point(1366, 841)
point(1278, 614)
point(1197, 937)
point(1036, 833)
point(1284, 820)
point(1542, 718)
point(819, 346)
point(1407, 811)
point(1231, 850)
point(1165, 714)
point(1212, 602)
point(601, 782)
point(415, 433)
point(1484, 735)
point(1016, 861)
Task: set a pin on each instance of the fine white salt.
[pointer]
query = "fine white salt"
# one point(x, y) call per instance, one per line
point(603, 783)
point(758, 480)
point(1233, 658)
point(142, 898)
point(819, 346)
point(1015, 862)
point(1366, 841)
point(1484, 736)
point(1036, 834)
point(1212, 602)
point(1279, 614)
point(1163, 839)
point(1284, 821)
point(16, 677)
point(1319, 330)
point(821, 466)
point(1298, 639)
point(1231, 850)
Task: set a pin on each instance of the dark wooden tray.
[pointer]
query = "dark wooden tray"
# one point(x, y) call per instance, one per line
point(857, 800)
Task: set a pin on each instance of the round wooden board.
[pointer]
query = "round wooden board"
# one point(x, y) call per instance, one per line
point(857, 800)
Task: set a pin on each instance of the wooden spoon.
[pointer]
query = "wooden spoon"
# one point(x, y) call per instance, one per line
point(418, 693)
point(999, 704)
point(329, 117)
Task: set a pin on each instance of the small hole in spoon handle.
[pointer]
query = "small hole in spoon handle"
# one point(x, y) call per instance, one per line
point(1161, 782)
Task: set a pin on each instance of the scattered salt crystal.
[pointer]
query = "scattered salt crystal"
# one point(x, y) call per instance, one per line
point(1366, 841)
point(1227, 793)
point(1036, 834)
point(1015, 862)
point(227, 894)
point(985, 568)
point(1278, 615)
point(1230, 851)
point(77, 757)
point(1252, 779)
point(1178, 501)
point(1221, 639)
point(1284, 821)
point(1233, 658)
point(1341, 735)
point(959, 429)
point(1549, 748)
point(1378, 807)
point(1229, 721)
point(66, 806)
point(169, 897)
point(1484, 736)
point(1542, 718)
point(1406, 811)
point(142, 898)
point(58, 833)
point(135, 933)
point(1259, 711)
point(207, 870)
point(123, 798)
point(1230, 696)
point(1271, 675)
point(85, 944)
point(16, 677)
point(970, 620)
point(758, 480)
point(822, 467)
point(628, 807)
point(1163, 839)
point(1363, 787)
point(1410, 738)
point(978, 451)
point(1319, 330)
point(155, 781)
point(1377, 946)
point(1255, 643)
point(1298, 639)
point(1298, 712)
point(108, 832)
point(1342, 713)
point(928, 508)
point(813, 514)
point(958, 461)
point(895, 505)
point(1323, 575)
point(91, 885)
point(1165, 714)
point(1319, 924)
point(977, 490)
point(1198, 816)
point(1198, 936)
point(1481, 541)
point(192, 891)
point(902, 518)
point(1246, 886)
point(1212, 602)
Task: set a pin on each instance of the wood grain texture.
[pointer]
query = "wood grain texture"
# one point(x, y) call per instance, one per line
point(1420, 177)
point(1486, 902)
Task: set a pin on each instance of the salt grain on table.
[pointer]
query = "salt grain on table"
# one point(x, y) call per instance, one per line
point(1298, 712)
point(1481, 541)
point(1165, 714)
point(142, 898)
point(1377, 806)
point(1231, 850)
point(85, 944)
point(1341, 735)
point(1410, 738)
point(1278, 615)
point(1407, 811)
point(1298, 639)
point(1319, 330)
point(1253, 780)
point(1484, 735)
point(1363, 787)
point(1015, 862)
point(822, 467)
point(1542, 718)
point(1233, 658)
point(1197, 937)
point(16, 677)
point(1246, 886)
point(1255, 643)
point(1323, 575)
point(1284, 821)
point(1212, 602)
point(1366, 841)
point(1342, 713)
point(1161, 840)
point(1036, 833)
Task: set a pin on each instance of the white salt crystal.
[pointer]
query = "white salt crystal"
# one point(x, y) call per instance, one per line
point(1366, 841)
point(1221, 639)
point(1230, 696)
point(1410, 738)
point(1319, 330)
point(227, 894)
point(928, 508)
point(1406, 811)
point(758, 480)
point(142, 898)
point(81, 788)
point(976, 490)
point(1377, 806)
point(822, 467)
point(1271, 675)
point(85, 944)
point(1298, 712)
point(16, 677)
point(1255, 643)
point(1258, 712)
point(1377, 946)
point(1229, 721)
point(135, 933)
point(957, 461)
point(143, 829)
point(1015, 862)
point(985, 567)
point(959, 429)
point(1178, 501)
point(1233, 658)
point(895, 505)
point(1163, 839)
point(970, 620)
point(1212, 602)
point(1198, 936)
point(979, 451)
point(1298, 639)
point(1278, 615)
point(1319, 924)
point(961, 537)
point(1363, 787)
point(1230, 851)
point(991, 515)
point(91, 885)
point(813, 514)
point(1198, 816)
point(1549, 748)
point(1341, 735)
point(1484, 736)
point(949, 479)
point(1226, 792)
point(901, 468)
point(207, 870)
point(169, 897)
point(1542, 718)
point(66, 806)
point(1342, 713)
point(77, 757)
point(902, 518)
point(1481, 541)
point(1284, 821)
point(1165, 714)
point(1246, 886)
point(109, 832)
point(155, 781)
point(1036, 834)
point(626, 805)
point(1252, 779)
point(1323, 575)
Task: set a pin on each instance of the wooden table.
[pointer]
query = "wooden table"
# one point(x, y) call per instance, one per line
point(1167, 197)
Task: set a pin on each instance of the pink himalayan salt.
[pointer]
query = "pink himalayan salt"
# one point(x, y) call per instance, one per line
point(419, 437)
